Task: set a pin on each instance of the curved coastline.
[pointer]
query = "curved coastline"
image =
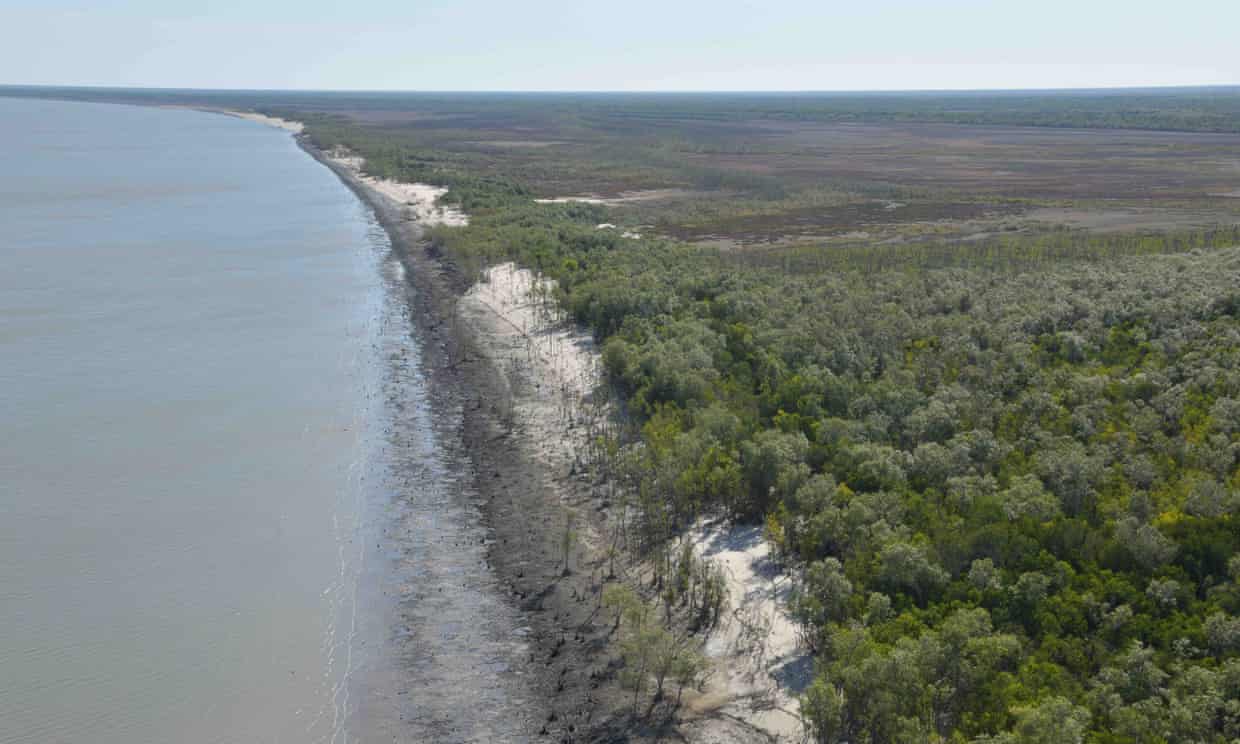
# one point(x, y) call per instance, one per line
point(521, 494)
point(531, 492)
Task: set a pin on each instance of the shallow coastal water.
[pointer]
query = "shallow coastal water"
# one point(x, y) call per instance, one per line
point(226, 514)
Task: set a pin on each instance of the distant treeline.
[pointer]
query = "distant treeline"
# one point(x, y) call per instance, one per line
point(1215, 109)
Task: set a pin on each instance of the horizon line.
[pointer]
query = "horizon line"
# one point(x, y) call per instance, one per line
point(681, 91)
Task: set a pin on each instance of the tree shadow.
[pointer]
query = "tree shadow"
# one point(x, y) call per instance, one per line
point(723, 539)
point(795, 674)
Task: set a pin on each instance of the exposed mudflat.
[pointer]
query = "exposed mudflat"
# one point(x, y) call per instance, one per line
point(450, 667)
point(491, 640)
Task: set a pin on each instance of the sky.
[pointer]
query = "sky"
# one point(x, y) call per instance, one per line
point(721, 45)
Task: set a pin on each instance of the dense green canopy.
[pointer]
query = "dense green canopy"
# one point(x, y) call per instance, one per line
point(1007, 473)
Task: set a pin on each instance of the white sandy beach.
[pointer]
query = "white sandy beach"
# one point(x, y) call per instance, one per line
point(422, 200)
point(287, 125)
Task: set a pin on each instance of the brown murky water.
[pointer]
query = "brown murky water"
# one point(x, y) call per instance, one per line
point(225, 514)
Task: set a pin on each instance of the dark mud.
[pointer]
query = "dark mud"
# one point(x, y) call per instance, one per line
point(492, 640)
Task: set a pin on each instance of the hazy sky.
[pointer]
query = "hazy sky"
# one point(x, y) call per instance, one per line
point(620, 44)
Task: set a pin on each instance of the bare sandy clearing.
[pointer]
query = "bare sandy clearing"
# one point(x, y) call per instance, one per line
point(569, 199)
point(560, 355)
point(759, 666)
point(421, 199)
point(625, 197)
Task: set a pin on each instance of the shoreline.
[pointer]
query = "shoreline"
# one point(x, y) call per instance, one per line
point(524, 380)
point(295, 127)
point(525, 490)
